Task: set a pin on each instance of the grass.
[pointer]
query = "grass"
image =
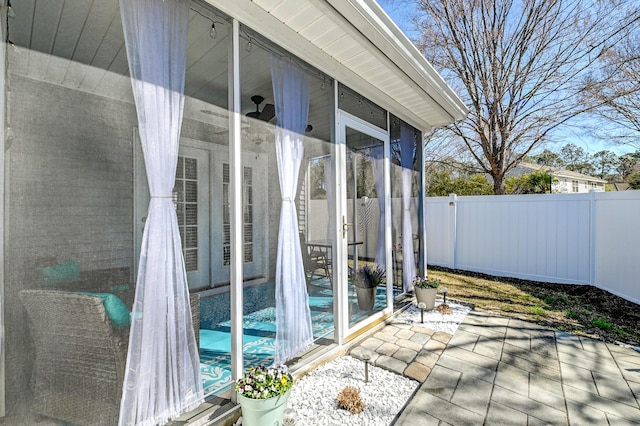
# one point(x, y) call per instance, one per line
point(580, 309)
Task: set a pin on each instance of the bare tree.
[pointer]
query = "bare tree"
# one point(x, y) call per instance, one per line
point(613, 92)
point(519, 65)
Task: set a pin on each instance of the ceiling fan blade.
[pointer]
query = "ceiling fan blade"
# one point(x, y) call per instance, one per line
point(268, 112)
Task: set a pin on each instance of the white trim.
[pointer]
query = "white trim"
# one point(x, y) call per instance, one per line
point(340, 277)
point(4, 219)
point(388, 235)
point(235, 163)
point(592, 237)
point(422, 209)
point(348, 120)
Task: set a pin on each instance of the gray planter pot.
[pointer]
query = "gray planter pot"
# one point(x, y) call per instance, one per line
point(366, 298)
point(426, 296)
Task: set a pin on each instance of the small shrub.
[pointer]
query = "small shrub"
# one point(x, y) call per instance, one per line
point(349, 399)
point(549, 300)
point(572, 315)
point(602, 323)
point(538, 310)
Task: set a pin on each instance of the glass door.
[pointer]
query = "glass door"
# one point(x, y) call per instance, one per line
point(364, 288)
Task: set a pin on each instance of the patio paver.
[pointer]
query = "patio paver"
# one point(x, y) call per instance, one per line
point(497, 370)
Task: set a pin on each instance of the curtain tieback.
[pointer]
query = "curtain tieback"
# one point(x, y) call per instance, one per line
point(162, 196)
point(289, 199)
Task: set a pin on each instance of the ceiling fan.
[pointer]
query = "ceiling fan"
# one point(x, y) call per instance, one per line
point(267, 113)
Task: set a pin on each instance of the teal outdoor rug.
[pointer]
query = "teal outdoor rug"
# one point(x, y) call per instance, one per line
point(258, 340)
point(259, 336)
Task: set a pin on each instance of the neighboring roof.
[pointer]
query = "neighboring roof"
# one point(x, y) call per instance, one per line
point(356, 42)
point(558, 172)
point(621, 186)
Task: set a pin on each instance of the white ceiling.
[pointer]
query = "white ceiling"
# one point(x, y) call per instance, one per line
point(79, 44)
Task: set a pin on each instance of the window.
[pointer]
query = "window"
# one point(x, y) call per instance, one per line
point(575, 186)
point(248, 220)
point(186, 203)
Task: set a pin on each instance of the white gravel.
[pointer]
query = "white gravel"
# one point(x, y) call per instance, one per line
point(447, 323)
point(313, 399)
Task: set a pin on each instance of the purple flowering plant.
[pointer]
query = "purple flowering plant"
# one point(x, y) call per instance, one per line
point(367, 276)
point(424, 282)
point(264, 382)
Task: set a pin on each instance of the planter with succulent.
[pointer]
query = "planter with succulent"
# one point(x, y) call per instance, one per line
point(263, 393)
point(366, 280)
point(426, 290)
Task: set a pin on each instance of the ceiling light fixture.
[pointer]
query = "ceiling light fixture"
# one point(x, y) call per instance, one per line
point(212, 32)
point(249, 46)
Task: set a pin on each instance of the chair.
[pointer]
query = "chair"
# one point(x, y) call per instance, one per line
point(314, 260)
point(80, 356)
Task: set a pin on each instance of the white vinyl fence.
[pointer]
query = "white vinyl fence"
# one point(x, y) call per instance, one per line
point(562, 238)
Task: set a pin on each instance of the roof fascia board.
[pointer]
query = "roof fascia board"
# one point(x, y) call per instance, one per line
point(266, 24)
point(381, 31)
point(356, 25)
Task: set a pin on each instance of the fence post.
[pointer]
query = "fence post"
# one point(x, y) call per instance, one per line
point(592, 238)
point(453, 203)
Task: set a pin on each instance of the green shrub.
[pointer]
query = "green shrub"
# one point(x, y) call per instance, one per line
point(538, 310)
point(572, 315)
point(602, 323)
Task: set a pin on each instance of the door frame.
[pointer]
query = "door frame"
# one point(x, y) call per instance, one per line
point(217, 155)
point(141, 201)
point(344, 332)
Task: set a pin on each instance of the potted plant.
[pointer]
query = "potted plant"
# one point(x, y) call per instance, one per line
point(426, 289)
point(366, 280)
point(263, 393)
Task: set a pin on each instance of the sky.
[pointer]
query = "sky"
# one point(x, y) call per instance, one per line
point(401, 11)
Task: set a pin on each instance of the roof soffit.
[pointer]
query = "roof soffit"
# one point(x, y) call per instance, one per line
point(298, 30)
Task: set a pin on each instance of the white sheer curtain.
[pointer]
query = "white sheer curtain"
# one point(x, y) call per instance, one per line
point(293, 317)
point(377, 166)
point(407, 145)
point(162, 377)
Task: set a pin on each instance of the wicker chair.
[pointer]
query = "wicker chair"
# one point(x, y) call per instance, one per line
point(80, 356)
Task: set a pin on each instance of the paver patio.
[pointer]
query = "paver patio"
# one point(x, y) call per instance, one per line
point(498, 370)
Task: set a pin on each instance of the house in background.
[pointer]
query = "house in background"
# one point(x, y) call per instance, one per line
point(272, 90)
point(563, 181)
